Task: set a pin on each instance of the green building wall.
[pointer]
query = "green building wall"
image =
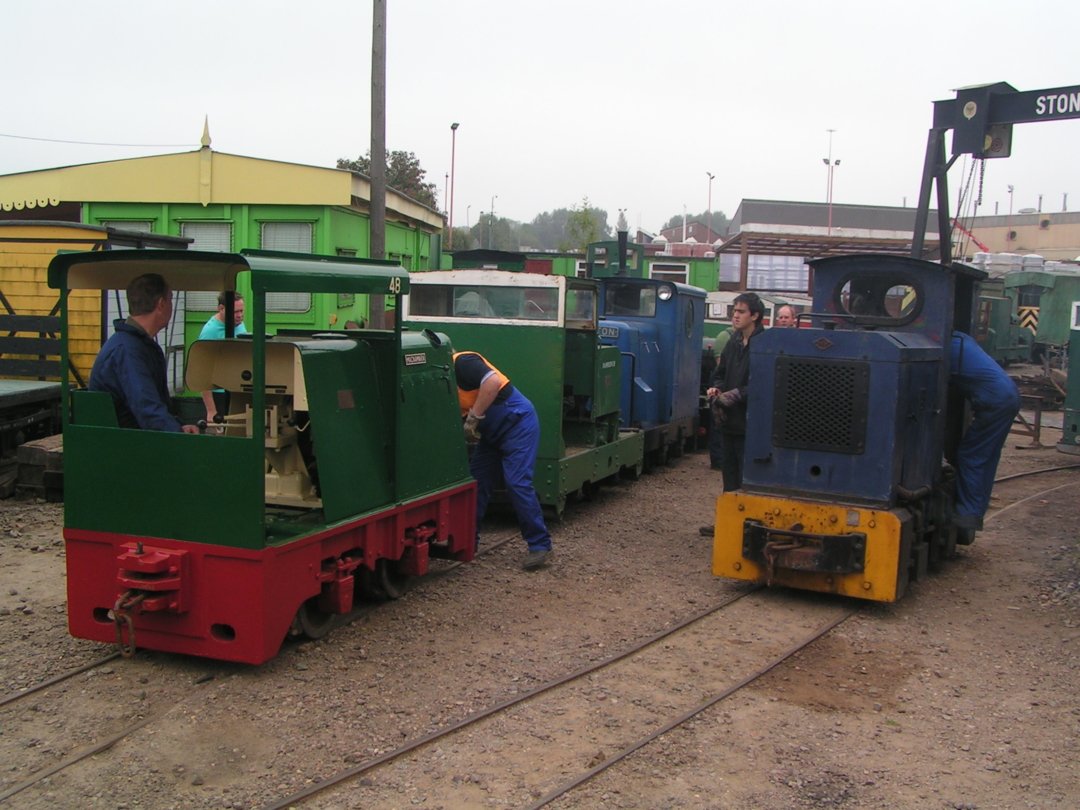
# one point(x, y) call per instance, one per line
point(335, 231)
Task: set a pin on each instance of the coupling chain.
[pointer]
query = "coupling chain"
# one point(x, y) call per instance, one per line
point(771, 551)
point(128, 601)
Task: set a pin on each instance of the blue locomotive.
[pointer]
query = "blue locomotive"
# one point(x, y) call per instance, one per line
point(844, 485)
point(657, 326)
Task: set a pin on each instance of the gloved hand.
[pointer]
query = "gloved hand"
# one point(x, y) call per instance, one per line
point(719, 415)
point(729, 398)
point(472, 428)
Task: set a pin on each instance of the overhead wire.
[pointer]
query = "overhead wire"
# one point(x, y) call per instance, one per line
point(96, 143)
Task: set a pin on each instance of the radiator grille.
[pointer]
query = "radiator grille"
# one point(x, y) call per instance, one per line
point(821, 404)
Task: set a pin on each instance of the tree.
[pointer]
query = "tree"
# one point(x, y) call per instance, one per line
point(496, 233)
point(585, 225)
point(550, 228)
point(463, 238)
point(403, 174)
point(716, 220)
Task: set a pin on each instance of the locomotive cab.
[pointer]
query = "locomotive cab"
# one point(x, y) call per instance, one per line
point(227, 365)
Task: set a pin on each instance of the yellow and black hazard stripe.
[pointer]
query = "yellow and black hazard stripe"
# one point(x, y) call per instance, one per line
point(1029, 317)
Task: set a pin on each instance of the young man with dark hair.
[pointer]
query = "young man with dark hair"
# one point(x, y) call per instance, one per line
point(729, 384)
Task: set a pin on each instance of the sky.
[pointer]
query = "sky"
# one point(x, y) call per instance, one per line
point(626, 103)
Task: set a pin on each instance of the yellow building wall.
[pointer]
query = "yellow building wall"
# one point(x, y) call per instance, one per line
point(24, 282)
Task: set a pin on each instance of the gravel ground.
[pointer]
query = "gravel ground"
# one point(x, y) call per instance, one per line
point(961, 696)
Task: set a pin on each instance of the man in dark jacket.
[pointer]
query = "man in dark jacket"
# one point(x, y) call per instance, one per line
point(729, 384)
point(131, 365)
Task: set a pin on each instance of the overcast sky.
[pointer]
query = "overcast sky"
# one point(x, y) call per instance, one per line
point(627, 103)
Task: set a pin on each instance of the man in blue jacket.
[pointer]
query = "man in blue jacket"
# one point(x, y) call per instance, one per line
point(994, 402)
point(131, 365)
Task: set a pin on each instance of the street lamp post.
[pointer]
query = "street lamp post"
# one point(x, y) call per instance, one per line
point(1008, 221)
point(831, 165)
point(453, 154)
point(708, 210)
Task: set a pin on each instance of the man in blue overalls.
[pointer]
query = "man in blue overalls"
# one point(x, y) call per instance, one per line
point(994, 404)
point(502, 423)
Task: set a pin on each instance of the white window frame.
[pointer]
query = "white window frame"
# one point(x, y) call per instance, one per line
point(675, 272)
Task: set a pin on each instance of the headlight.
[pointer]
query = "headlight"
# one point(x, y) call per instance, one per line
point(665, 292)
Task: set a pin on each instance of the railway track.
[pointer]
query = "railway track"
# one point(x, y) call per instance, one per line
point(579, 725)
point(132, 711)
point(709, 658)
point(700, 661)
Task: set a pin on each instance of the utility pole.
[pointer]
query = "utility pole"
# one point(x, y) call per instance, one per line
point(377, 214)
point(378, 130)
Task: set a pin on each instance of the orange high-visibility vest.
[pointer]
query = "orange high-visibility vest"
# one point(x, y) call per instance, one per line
point(466, 399)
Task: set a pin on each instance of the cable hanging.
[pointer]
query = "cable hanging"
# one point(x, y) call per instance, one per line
point(97, 143)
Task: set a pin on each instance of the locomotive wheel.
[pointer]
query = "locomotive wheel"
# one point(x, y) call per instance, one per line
point(677, 446)
point(312, 621)
point(389, 582)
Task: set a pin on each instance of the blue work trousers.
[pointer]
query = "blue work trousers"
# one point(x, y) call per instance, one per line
point(979, 452)
point(509, 440)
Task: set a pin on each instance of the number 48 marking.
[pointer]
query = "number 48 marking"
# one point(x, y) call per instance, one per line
point(395, 285)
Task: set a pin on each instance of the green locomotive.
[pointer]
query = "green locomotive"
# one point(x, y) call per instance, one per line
point(542, 332)
point(338, 468)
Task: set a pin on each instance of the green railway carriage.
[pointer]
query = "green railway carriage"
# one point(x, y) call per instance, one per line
point(541, 331)
point(338, 468)
point(1044, 301)
point(997, 329)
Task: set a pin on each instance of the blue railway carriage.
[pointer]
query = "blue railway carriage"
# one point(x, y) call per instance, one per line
point(844, 485)
point(658, 328)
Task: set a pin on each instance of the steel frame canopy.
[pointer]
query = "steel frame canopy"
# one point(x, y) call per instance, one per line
point(810, 242)
point(981, 118)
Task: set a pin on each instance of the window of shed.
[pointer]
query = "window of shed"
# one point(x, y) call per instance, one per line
point(289, 237)
point(215, 237)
